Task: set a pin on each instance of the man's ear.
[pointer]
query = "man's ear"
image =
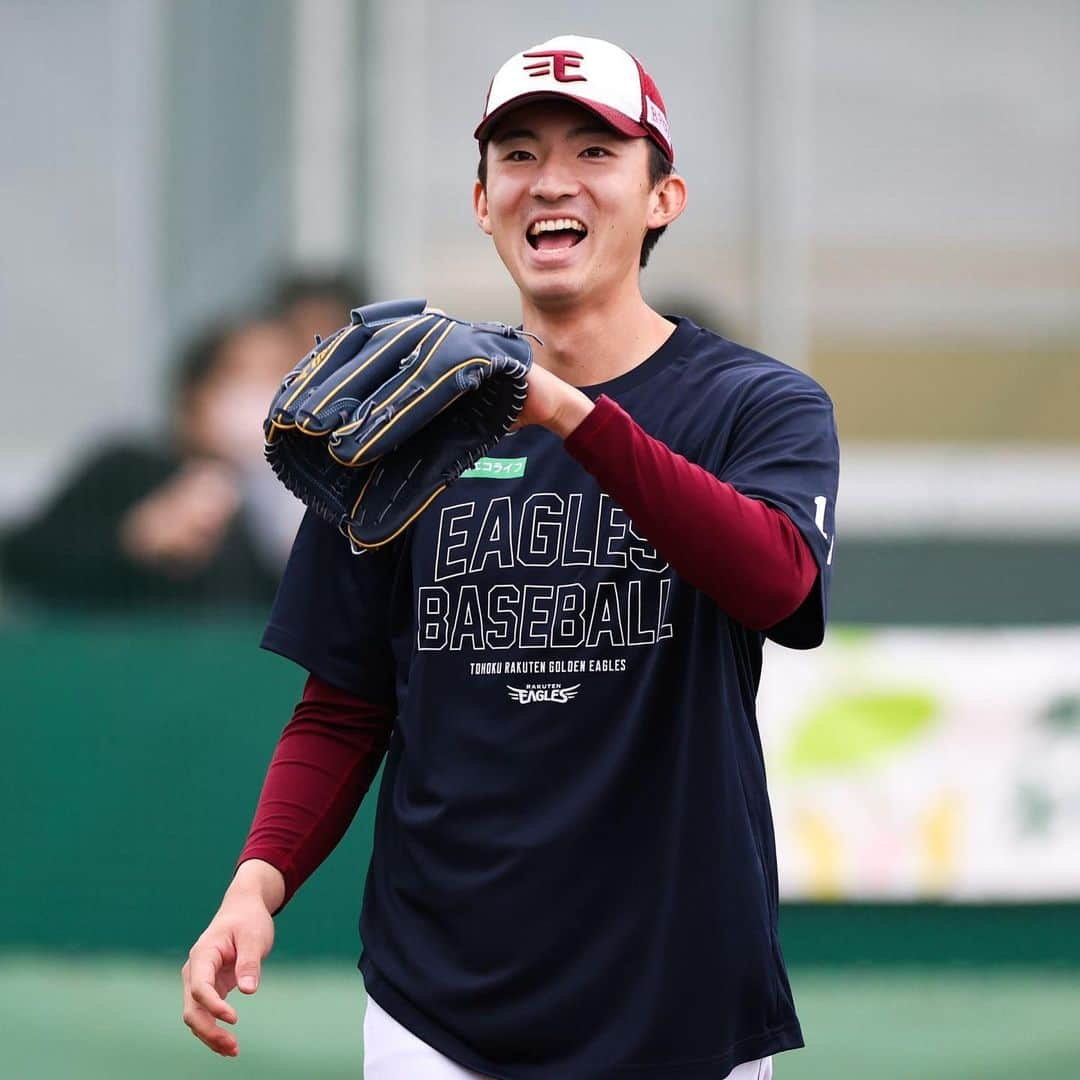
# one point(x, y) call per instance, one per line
point(480, 207)
point(667, 201)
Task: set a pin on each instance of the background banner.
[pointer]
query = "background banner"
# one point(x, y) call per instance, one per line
point(911, 764)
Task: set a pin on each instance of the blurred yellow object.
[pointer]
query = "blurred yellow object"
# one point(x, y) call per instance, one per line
point(822, 847)
point(940, 835)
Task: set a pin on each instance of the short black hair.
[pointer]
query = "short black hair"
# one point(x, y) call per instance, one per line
point(335, 284)
point(199, 357)
point(660, 167)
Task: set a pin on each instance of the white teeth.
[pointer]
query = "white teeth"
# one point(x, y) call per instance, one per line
point(556, 225)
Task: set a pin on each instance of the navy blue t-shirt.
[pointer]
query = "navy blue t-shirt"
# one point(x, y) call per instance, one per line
point(574, 870)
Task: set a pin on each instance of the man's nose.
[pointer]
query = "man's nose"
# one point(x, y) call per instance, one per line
point(555, 180)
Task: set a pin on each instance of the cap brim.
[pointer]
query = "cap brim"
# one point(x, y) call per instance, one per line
point(612, 117)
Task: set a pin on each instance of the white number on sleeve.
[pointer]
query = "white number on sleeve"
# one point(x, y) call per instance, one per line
point(819, 514)
point(820, 503)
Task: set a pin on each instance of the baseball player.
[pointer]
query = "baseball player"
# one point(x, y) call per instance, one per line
point(574, 871)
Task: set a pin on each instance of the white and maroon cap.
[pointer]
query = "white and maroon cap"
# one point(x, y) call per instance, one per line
point(595, 74)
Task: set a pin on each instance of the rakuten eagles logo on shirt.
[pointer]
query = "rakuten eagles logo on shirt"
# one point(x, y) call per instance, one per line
point(553, 692)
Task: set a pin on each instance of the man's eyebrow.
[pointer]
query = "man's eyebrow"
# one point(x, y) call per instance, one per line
point(514, 133)
point(526, 133)
point(593, 129)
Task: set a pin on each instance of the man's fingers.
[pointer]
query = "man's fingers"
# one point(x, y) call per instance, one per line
point(202, 976)
point(206, 997)
point(206, 1031)
point(201, 1021)
point(250, 950)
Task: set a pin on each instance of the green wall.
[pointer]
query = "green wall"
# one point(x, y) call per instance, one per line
point(135, 751)
point(135, 754)
point(956, 580)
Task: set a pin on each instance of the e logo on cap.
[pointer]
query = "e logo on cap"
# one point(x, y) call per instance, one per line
point(555, 63)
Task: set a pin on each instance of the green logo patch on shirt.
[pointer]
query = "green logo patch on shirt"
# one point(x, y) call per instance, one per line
point(490, 468)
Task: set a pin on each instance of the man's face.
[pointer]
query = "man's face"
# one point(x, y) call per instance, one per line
point(552, 165)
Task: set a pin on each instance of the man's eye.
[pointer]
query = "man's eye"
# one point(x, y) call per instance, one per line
point(518, 155)
point(596, 151)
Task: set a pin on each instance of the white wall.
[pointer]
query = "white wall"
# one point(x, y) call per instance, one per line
point(79, 216)
point(147, 173)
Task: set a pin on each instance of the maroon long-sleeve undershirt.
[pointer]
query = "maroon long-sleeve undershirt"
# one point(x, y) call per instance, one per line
point(324, 763)
point(747, 556)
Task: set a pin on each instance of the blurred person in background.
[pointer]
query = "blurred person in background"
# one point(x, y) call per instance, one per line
point(185, 525)
point(310, 302)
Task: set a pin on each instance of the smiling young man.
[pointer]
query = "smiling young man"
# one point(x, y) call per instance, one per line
point(574, 872)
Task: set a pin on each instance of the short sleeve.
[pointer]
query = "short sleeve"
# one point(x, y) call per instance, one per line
point(784, 451)
point(332, 613)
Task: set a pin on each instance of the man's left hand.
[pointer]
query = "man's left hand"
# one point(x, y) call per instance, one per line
point(552, 403)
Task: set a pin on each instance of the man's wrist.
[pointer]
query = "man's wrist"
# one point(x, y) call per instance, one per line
point(570, 413)
point(261, 878)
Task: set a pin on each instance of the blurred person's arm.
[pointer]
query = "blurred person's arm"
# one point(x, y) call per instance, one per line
point(324, 763)
point(70, 550)
point(179, 526)
point(133, 525)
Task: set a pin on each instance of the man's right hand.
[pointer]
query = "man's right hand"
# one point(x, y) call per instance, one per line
point(229, 953)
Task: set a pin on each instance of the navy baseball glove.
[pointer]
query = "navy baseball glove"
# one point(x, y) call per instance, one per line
point(381, 417)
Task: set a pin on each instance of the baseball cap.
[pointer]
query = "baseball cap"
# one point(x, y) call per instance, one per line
point(593, 73)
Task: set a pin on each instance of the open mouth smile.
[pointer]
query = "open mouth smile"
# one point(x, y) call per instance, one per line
point(555, 234)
